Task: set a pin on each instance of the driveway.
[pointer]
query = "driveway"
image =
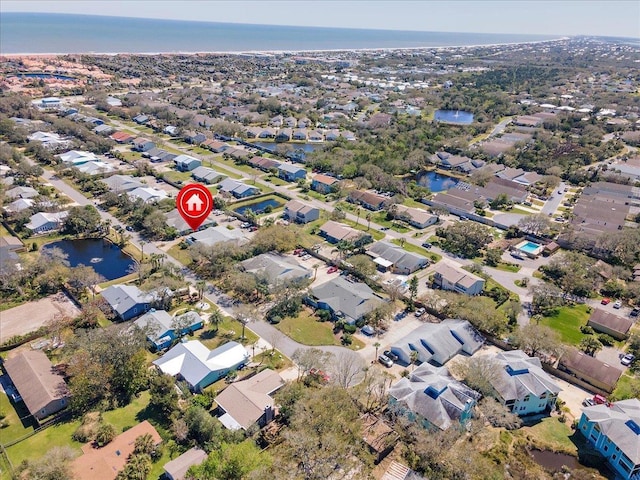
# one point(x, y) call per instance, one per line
point(508, 219)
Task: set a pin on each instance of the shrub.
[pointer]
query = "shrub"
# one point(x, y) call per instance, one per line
point(606, 340)
point(586, 329)
point(347, 339)
point(275, 319)
point(350, 328)
point(106, 433)
point(323, 315)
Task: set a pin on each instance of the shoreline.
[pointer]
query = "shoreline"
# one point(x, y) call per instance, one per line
point(288, 52)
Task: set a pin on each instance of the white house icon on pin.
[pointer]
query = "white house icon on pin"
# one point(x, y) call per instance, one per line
point(194, 203)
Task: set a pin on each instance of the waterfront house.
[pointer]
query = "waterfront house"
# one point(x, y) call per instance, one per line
point(284, 135)
point(323, 183)
point(448, 277)
point(431, 397)
point(42, 389)
point(200, 367)
point(44, 222)
point(127, 301)
point(299, 134)
point(291, 172)
point(299, 212)
point(186, 163)
point(161, 329)
point(344, 299)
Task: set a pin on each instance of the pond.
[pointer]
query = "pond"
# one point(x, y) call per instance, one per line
point(106, 258)
point(258, 207)
point(454, 116)
point(44, 76)
point(435, 182)
point(553, 462)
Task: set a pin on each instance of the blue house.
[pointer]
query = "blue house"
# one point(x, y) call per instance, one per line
point(433, 398)
point(161, 329)
point(614, 431)
point(185, 163)
point(291, 173)
point(127, 301)
point(199, 366)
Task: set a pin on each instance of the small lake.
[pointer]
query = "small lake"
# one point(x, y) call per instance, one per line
point(435, 181)
point(258, 207)
point(106, 258)
point(454, 116)
point(553, 462)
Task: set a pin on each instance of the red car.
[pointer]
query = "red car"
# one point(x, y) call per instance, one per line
point(332, 270)
point(605, 301)
point(297, 251)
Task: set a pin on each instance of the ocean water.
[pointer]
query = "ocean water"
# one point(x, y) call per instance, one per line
point(57, 33)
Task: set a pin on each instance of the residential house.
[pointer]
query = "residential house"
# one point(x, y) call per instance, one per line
point(103, 129)
point(49, 140)
point(415, 217)
point(335, 232)
point(76, 157)
point(147, 194)
point(431, 397)
point(142, 144)
point(437, 343)
point(41, 387)
point(390, 257)
point(238, 189)
point(614, 431)
point(19, 205)
point(177, 468)
point(170, 130)
point(194, 138)
point(243, 404)
point(284, 135)
point(299, 134)
point(290, 122)
point(291, 172)
point(276, 121)
point(277, 269)
point(332, 135)
point(266, 132)
point(589, 369)
point(323, 183)
point(199, 366)
point(207, 175)
point(218, 234)
point(379, 436)
point(105, 462)
point(122, 183)
point(610, 323)
point(215, 146)
point(175, 220)
point(522, 385)
point(21, 192)
point(315, 136)
point(96, 168)
point(297, 211)
point(122, 137)
point(344, 299)
point(141, 119)
point(186, 163)
point(304, 122)
point(127, 301)
point(264, 164)
point(368, 200)
point(448, 277)
point(514, 191)
point(160, 327)
point(44, 222)
point(449, 161)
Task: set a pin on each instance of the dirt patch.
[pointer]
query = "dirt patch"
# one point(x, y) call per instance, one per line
point(33, 315)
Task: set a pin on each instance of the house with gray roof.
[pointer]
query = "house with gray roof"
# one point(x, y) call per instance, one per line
point(147, 194)
point(437, 343)
point(448, 277)
point(300, 212)
point(277, 269)
point(162, 329)
point(416, 217)
point(193, 362)
point(238, 189)
point(186, 163)
point(44, 222)
point(433, 398)
point(21, 192)
point(217, 234)
point(127, 301)
point(344, 299)
point(522, 385)
point(291, 172)
point(614, 431)
point(177, 468)
point(42, 389)
point(390, 257)
point(175, 220)
point(122, 183)
point(19, 205)
point(335, 232)
point(207, 175)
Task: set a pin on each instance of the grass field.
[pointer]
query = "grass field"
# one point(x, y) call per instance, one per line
point(306, 329)
point(551, 434)
point(626, 387)
point(16, 429)
point(567, 322)
point(377, 235)
point(180, 254)
point(175, 176)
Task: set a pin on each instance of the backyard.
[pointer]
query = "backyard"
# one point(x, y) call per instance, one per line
point(567, 322)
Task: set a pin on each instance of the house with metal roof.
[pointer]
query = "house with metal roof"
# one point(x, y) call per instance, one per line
point(614, 431)
point(199, 366)
point(186, 163)
point(122, 183)
point(291, 172)
point(147, 194)
point(277, 269)
point(44, 222)
point(42, 389)
point(162, 329)
point(207, 175)
point(238, 189)
point(433, 398)
point(21, 192)
point(437, 343)
point(127, 301)
point(390, 257)
point(245, 403)
point(345, 299)
point(77, 157)
point(217, 234)
point(177, 468)
point(522, 385)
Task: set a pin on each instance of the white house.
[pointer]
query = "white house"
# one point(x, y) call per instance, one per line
point(448, 277)
point(46, 222)
point(147, 194)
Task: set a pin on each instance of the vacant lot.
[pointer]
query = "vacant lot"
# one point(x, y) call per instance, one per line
point(567, 322)
point(31, 316)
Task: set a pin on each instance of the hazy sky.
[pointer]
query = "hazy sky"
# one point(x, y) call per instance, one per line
point(619, 18)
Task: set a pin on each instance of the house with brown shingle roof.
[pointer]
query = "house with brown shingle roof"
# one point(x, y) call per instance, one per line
point(368, 200)
point(589, 369)
point(250, 401)
point(610, 323)
point(323, 183)
point(334, 232)
point(42, 389)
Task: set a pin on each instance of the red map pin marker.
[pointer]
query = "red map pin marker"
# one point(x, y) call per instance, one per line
point(194, 202)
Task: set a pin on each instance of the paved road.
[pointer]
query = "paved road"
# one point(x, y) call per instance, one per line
point(499, 128)
point(555, 201)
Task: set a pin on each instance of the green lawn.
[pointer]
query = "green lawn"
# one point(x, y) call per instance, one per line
point(229, 329)
point(508, 267)
point(410, 202)
point(317, 196)
point(376, 234)
point(15, 429)
point(177, 177)
point(306, 329)
point(248, 169)
point(551, 434)
point(410, 247)
point(277, 180)
point(567, 322)
point(624, 389)
point(180, 254)
point(217, 168)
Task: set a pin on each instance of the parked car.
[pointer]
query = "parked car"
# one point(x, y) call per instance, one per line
point(386, 361)
point(426, 245)
point(368, 330)
point(390, 355)
point(635, 312)
point(332, 270)
point(384, 229)
point(419, 312)
point(298, 251)
point(605, 301)
point(588, 402)
point(600, 400)
point(628, 359)
point(617, 304)
point(128, 228)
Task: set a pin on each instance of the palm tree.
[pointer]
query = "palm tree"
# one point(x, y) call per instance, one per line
point(414, 359)
point(377, 345)
point(358, 210)
point(315, 271)
point(142, 243)
point(200, 286)
point(215, 318)
point(368, 217)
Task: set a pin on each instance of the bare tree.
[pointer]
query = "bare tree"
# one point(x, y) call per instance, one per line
point(347, 368)
point(536, 224)
point(480, 372)
point(308, 358)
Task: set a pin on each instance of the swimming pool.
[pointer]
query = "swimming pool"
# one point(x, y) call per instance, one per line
point(532, 249)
